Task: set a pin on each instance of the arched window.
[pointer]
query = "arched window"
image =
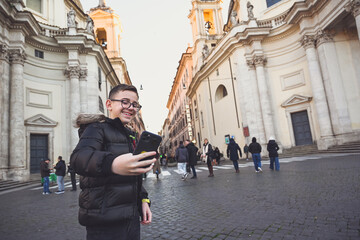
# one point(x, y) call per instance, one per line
point(101, 37)
point(220, 93)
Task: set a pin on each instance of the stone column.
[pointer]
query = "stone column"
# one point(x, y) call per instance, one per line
point(264, 96)
point(83, 91)
point(4, 106)
point(17, 127)
point(322, 108)
point(256, 118)
point(73, 73)
point(333, 83)
point(354, 7)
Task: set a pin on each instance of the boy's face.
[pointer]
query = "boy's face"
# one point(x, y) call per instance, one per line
point(116, 108)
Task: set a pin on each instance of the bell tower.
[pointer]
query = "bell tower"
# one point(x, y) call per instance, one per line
point(107, 28)
point(207, 27)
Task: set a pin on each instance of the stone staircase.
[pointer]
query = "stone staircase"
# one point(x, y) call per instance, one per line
point(10, 184)
point(298, 151)
point(351, 147)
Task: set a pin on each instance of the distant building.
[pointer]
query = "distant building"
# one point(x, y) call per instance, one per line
point(287, 69)
point(51, 69)
point(178, 123)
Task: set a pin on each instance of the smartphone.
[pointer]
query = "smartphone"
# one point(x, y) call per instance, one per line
point(148, 142)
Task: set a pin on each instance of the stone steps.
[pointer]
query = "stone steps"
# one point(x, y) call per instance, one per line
point(9, 184)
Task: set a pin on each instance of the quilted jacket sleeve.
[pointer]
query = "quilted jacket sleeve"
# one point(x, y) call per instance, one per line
point(88, 158)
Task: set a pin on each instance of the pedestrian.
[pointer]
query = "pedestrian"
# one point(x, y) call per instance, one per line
point(217, 156)
point(112, 197)
point(273, 149)
point(192, 151)
point(60, 170)
point(182, 157)
point(246, 151)
point(157, 168)
point(232, 152)
point(207, 155)
point(255, 150)
point(72, 173)
point(45, 174)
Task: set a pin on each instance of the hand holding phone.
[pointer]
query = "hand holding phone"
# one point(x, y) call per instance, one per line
point(148, 142)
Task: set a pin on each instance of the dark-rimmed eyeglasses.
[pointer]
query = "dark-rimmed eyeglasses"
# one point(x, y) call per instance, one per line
point(127, 104)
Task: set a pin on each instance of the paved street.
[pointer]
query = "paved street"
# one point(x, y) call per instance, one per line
point(314, 197)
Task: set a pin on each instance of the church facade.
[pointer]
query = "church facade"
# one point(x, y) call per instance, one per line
point(284, 69)
point(51, 69)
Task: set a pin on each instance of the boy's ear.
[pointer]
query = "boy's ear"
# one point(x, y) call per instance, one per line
point(108, 104)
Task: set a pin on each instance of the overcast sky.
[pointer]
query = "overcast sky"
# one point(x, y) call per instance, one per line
point(155, 34)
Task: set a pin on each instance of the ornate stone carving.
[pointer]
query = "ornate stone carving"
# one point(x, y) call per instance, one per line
point(71, 18)
point(4, 52)
point(83, 74)
point(250, 8)
point(89, 25)
point(323, 36)
point(233, 18)
point(259, 60)
point(17, 56)
point(308, 41)
point(72, 71)
point(353, 7)
point(250, 63)
point(205, 51)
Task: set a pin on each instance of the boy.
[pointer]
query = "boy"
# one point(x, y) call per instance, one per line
point(112, 196)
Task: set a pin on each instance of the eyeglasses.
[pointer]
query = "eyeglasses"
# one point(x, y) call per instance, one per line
point(128, 104)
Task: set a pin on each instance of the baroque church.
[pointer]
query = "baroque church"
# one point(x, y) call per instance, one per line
point(55, 62)
point(276, 68)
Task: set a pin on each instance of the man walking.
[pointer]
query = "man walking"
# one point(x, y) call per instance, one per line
point(232, 152)
point(45, 174)
point(73, 177)
point(182, 157)
point(60, 174)
point(255, 150)
point(192, 150)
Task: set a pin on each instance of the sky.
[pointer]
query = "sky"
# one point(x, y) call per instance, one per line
point(155, 34)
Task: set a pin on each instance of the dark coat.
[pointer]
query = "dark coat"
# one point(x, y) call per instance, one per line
point(216, 154)
point(192, 150)
point(272, 148)
point(60, 168)
point(232, 150)
point(106, 198)
point(44, 169)
point(209, 152)
point(182, 154)
point(254, 147)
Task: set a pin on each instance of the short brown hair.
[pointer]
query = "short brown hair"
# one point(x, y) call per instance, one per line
point(121, 88)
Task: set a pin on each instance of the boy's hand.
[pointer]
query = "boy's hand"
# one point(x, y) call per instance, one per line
point(129, 164)
point(147, 215)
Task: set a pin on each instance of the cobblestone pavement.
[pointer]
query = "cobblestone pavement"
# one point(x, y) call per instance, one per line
point(318, 198)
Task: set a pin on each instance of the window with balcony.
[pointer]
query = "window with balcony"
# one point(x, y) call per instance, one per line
point(271, 2)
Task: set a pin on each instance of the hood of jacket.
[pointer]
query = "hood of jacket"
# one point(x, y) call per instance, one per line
point(253, 140)
point(87, 118)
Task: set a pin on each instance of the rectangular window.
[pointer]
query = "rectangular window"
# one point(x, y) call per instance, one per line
point(39, 54)
point(99, 78)
point(35, 5)
point(271, 2)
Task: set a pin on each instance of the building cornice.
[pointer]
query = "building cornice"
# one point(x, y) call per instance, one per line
point(304, 9)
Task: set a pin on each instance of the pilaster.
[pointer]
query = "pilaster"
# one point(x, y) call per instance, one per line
point(4, 106)
point(257, 116)
point(83, 91)
point(17, 148)
point(259, 62)
point(73, 74)
point(333, 83)
point(326, 134)
point(354, 7)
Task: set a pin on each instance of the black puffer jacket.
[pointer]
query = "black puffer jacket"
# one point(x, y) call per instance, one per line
point(272, 148)
point(105, 197)
point(192, 150)
point(254, 147)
